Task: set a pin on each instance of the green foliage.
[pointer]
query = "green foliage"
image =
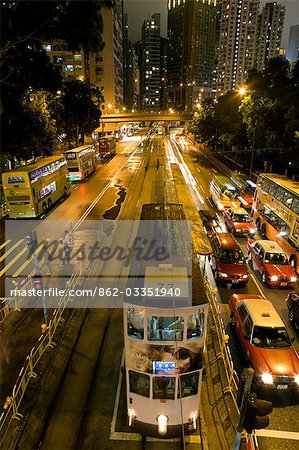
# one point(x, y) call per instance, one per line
point(78, 110)
point(26, 68)
point(266, 119)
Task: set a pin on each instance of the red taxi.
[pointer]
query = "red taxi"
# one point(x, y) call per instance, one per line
point(270, 260)
point(227, 260)
point(238, 222)
point(265, 342)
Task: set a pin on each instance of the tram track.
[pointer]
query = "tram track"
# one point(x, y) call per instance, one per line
point(106, 327)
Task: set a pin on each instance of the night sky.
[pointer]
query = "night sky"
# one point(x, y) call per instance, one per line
point(138, 10)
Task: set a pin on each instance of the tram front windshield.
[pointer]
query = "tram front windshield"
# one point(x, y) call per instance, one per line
point(165, 328)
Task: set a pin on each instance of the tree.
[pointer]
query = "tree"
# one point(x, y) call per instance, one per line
point(25, 27)
point(204, 124)
point(78, 110)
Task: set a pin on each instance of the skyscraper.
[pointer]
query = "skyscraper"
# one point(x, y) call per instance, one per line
point(192, 50)
point(130, 69)
point(269, 33)
point(163, 73)
point(150, 86)
point(237, 42)
point(293, 45)
point(106, 67)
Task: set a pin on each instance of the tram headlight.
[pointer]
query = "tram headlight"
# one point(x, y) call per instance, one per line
point(132, 416)
point(162, 423)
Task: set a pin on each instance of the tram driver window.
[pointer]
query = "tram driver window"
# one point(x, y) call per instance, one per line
point(135, 324)
point(188, 385)
point(195, 326)
point(165, 328)
point(164, 387)
point(139, 383)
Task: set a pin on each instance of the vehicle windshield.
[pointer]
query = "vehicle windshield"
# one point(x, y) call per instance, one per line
point(267, 337)
point(276, 258)
point(232, 257)
point(241, 218)
point(229, 194)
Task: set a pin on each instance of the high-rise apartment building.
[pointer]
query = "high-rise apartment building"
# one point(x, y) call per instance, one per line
point(237, 42)
point(192, 50)
point(163, 73)
point(269, 33)
point(150, 86)
point(130, 69)
point(106, 67)
point(73, 65)
point(293, 45)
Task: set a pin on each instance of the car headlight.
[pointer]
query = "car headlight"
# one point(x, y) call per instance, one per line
point(293, 279)
point(245, 276)
point(297, 379)
point(223, 275)
point(252, 230)
point(267, 378)
point(273, 278)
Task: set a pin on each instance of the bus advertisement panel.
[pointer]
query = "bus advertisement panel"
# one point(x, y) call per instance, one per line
point(223, 192)
point(106, 147)
point(81, 162)
point(31, 190)
point(276, 213)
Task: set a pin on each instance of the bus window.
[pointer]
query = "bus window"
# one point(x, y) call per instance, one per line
point(288, 199)
point(139, 383)
point(165, 328)
point(295, 206)
point(195, 326)
point(135, 325)
point(189, 385)
point(164, 387)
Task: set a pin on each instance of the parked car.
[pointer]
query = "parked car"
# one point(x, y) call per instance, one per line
point(210, 221)
point(227, 260)
point(293, 307)
point(265, 341)
point(270, 260)
point(238, 221)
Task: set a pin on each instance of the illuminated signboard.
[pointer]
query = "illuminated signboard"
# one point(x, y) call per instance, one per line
point(163, 366)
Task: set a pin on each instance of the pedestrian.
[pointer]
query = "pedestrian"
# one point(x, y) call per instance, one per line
point(48, 259)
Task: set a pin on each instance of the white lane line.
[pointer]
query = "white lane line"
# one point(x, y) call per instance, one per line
point(5, 243)
point(278, 434)
point(257, 285)
point(197, 169)
point(215, 171)
point(11, 249)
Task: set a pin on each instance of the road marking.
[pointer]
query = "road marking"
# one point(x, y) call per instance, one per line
point(278, 434)
point(6, 242)
point(257, 285)
point(197, 169)
point(215, 171)
point(11, 249)
point(13, 261)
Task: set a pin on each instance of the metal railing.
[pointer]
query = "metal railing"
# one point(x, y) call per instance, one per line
point(11, 408)
point(10, 304)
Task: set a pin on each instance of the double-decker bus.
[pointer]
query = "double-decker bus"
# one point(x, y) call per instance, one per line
point(246, 188)
point(31, 190)
point(165, 331)
point(80, 162)
point(106, 146)
point(276, 213)
point(223, 192)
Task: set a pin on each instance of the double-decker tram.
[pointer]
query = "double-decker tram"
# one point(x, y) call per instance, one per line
point(165, 330)
point(81, 162)
point(31, 190)
point(276, 213)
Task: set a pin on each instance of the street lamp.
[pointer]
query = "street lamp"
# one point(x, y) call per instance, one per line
point(109, 106)
point(242, 91)
point(171, 110)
